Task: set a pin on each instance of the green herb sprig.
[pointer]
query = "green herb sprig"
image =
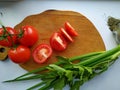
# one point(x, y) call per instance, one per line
point(65, 72)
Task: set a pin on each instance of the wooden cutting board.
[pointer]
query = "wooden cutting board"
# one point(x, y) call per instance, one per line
point(47, 22)
point(3, 52)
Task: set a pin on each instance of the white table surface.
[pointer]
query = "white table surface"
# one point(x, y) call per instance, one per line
point(96, 11)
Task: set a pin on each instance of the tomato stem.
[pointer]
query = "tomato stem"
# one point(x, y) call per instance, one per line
point(21, 33)
point(6, 33)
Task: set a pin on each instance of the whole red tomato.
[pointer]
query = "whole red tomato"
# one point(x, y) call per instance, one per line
point(29, 36)
point(21, 54)
point(7, 36)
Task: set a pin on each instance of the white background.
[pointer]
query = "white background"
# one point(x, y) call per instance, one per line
point(96, 11)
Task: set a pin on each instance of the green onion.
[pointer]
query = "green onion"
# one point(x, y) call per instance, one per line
point(65, 72)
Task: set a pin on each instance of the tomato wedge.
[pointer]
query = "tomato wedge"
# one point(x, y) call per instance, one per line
point(70, 30)
point(41, 53)
point(58, 42)
point(66, 35)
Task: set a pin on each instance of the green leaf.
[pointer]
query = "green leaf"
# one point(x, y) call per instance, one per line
point(49, 75)
point(37, 85)
point(69, 75)
point(63, 59)
point(60, 71)
point(47, 85)
point(89, 69)
point(76, 85)
point(81, 71)
point(57, 68)
point(86, 78)
point(57, 83)
point(60, 85)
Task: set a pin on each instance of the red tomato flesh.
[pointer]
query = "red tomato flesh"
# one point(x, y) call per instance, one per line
point(21, 54)
point(70, 30)
point(66, 35)
point(41, 53)
point(58, 42)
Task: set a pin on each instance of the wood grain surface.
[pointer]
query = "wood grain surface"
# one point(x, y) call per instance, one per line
point(48, 22)
point(3, 52)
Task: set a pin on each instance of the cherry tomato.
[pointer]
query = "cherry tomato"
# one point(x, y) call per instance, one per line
point(66, 35)
point(5, 38)
point(71, 31)
point(29, 37)
point(21, 54)
point(58, 42)
point(41, 53)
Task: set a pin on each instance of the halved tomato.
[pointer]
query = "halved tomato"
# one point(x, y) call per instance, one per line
point(70, 30)
point(41, 53)
point(66, 35)
point(58, 42)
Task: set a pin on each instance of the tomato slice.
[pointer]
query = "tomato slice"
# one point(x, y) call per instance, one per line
point(41, 53)
point(70, 29)
point(66, 35)
point(58, 42)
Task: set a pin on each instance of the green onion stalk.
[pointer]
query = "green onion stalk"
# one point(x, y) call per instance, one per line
point(67, 72)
